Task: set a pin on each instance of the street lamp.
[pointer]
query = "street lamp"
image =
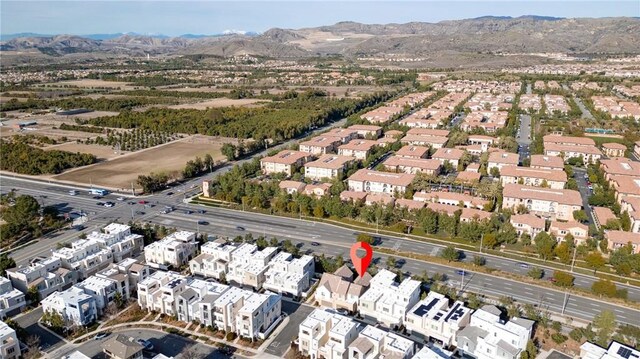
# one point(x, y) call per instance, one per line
point(573, 261)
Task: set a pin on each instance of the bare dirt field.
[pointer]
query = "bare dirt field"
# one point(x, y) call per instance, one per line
point(221, 102)
point(120, 172)
point(46, 123)
point(92, 83)
point(102, 152)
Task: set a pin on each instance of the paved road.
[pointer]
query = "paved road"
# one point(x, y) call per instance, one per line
point(334, 243)
point(167, 344)
point(578, 175)
point(297, 313)
point(225, 221)
point(585, 112)
point(523, 137)
point(528, 88)
point(29, 321)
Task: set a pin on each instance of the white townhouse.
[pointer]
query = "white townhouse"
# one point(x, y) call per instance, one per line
point(119, 239)
point(158, 291)
point(289, 275)
point(74, 306)
point(46, 275)
point(247, 314)
point(433, 318)
point(387, 301)
point(326, 334)
point(214, 259)
point(376, 343)
point(9, 344)
point(488, 336)
point(174, 250)
point(86, 257)
point(12, 301)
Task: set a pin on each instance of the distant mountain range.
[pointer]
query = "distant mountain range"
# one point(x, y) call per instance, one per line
point(488, 34)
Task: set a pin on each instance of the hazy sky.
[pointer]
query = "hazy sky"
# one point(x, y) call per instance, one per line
point(212, 17)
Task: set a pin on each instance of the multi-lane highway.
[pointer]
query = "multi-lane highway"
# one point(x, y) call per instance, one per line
point(333, 240)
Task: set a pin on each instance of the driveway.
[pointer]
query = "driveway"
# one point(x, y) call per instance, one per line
point(578, 175)
point(297, 313)
point(523, 137)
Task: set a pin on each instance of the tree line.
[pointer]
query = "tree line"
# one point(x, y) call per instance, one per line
point(19, 157)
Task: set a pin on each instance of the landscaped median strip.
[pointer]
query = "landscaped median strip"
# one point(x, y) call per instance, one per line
point(350, 224)
point(495, 272)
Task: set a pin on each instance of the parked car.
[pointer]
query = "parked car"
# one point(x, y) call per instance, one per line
point(109, 204)
point(315, 244)
point(145, 343)
point(203, 222)
point(101, 335)
point(523, 265)
point(239, 228)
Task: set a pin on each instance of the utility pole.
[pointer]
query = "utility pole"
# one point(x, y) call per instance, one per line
point(481, 240)
point(573, 261)
point(564, 302)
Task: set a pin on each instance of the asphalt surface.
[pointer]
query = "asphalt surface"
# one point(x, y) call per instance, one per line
point(168, 344)
point(523, 137)
point(224, 222)
point(297, 313)
point(578, 175)
point(585, 112)
point(29, 321)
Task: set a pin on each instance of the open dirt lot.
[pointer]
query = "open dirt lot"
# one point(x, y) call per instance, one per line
point(102, 152)
point(196, 89)
point(221, 102)
point(89, 83)
point(120, 172)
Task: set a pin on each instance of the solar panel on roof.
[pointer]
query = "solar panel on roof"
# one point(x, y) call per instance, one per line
point(624, 352)
point(424, 309)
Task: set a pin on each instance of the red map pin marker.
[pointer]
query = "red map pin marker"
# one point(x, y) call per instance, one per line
point(361, 263)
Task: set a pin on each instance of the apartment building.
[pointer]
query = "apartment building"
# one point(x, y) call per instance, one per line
point(619, 167)
point(344, 134)
point(433, 319)
point(554, 179)
point(250, 315)
point(45, 274)
point(483, 141)
point(326, 334)
point(320, 145)
point(366, 180)
point(556, 103)
point(382, 114)
point(459, 200)
point(433, 138)
point(327, 167)
point(285, 161)
point(614, 149)
point(317, 190)
point(499, 159)
point(12, 301)
point(412, 165)
point(569, 147)
point(119, 239)
point(387, 301)
point(432, 353)
point(134, 270)
point(74, 306)
point(615, 350)
point(632, 206)
point(103, 290)
point(213, 262)
point(291, 187)
point(451, 155)
point(340, 290)
point(489, 337)
point(559, 231)
point(358, 148)
point(546, 162)
point(625, 187)
point(85, 257)
point(367, 131)
point(602, 215)
point(545, 202)
point(617, 239)
point(528, 223)
point(414, 152)
point(381, 199)
point(489, 121)
point(530, 102)
point(174, 250)
point(636, 149)
point(9, 344)
point(289, 275)
point(249, 265)
point(376, 343)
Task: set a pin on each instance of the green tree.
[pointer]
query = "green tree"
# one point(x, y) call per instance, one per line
point(391, 262)
point(604, 287)
point(535, 273)
point(563, 279)
point(54, 321)
point(118, 300)
point(229, 151)
point(531, 352)
point(318, 211)
point(6, 262)
point(544, 245)
point(479, 260)
point(33, 295)
point(563, 253)
point(595, 261)
point(580, 216)
point(450, 253)
point(366, 238)
point(605, 325)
